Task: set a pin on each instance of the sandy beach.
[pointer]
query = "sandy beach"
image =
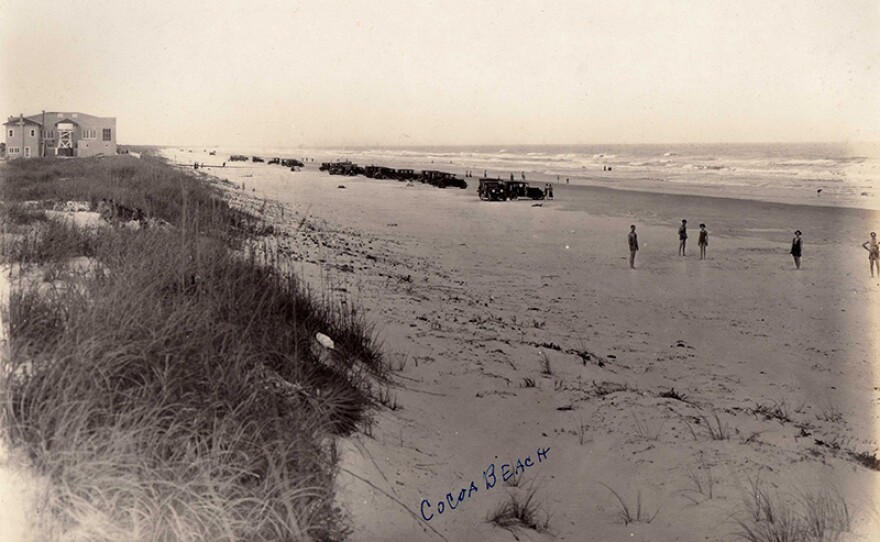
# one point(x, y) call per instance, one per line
point(520, 335)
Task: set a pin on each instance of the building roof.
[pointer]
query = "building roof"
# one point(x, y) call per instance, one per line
point(54, 117)
point(13, 121)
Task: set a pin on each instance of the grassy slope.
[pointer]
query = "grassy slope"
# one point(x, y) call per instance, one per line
point(145, 387)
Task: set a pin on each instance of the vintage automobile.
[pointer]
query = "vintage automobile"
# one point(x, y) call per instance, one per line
point(441, 179)
point(380, 172)
point(275, 161)
point(291, 162)
point(492, 190)
point(521, 189)
point(342, 168)
point(257, 159)
point(406, 175)
point(238, 158)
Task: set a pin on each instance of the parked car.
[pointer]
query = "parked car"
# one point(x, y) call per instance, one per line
point(521, 189)
point(442, 179)
point(380, 172)
point(492, 190)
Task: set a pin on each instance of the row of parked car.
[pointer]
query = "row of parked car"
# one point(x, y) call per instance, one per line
point(501, 190)
point(440, 179)
point(286, 162)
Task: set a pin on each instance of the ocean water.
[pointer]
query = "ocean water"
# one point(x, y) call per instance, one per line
point(819, 174)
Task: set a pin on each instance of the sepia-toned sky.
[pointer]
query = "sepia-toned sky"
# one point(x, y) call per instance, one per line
point(332, 72)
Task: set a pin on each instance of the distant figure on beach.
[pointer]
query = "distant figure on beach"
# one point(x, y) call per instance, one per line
point(633, 240)
point(797, 249)
point(511, 177)
point(485, 173)
point(682, 238)
point(873, 253)
point(703, 241)
point(224, 164)
point(549, 191)
point(566, 180)
point(523, 173)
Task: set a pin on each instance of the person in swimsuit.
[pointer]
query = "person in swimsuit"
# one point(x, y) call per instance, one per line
point(682, 238)
point(873, 253)
point(704, 241)
point(633, 241)
point(797, 249)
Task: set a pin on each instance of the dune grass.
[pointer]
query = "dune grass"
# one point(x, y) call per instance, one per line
point(173, 389)
point(820, 516)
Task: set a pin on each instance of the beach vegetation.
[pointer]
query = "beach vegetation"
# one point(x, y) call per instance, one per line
point(775, 410)
point(672, 394)
point(520, 509)
point(544, 361)
point(830, 414)
point(645, 430)
point(582, 432)
point(701, 483)
point(866, 459)
point(171, 389)
point(601, 389)
point(822, 516)
point(714, 428)
point(631, 512)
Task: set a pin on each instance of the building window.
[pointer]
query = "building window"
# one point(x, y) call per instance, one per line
point(27, 152)
point(11, 133)
point(13, 150)
point(107, 135)
point(33, 133)
point(48, 134)
point(89, 134)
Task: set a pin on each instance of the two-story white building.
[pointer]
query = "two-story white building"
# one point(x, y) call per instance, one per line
point(58, 133)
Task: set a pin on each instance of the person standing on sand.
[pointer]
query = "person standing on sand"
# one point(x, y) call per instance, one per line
point(633, 240)
point(873, 253)
point(797, 249)
point(703, 241)
point(682, 238)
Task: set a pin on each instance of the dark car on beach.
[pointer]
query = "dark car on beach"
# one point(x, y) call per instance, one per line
point(406, 175)
point(380, 172)
point(342, 168)
point(521, 189)
point(492, 190)
point(441, 179)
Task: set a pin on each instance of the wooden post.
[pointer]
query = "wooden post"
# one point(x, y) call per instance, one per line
point(43, 136)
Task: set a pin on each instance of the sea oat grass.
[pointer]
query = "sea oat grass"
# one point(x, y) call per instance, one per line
point(172, 389)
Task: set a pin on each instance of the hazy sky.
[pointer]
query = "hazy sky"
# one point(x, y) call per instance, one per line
point(266, 72)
